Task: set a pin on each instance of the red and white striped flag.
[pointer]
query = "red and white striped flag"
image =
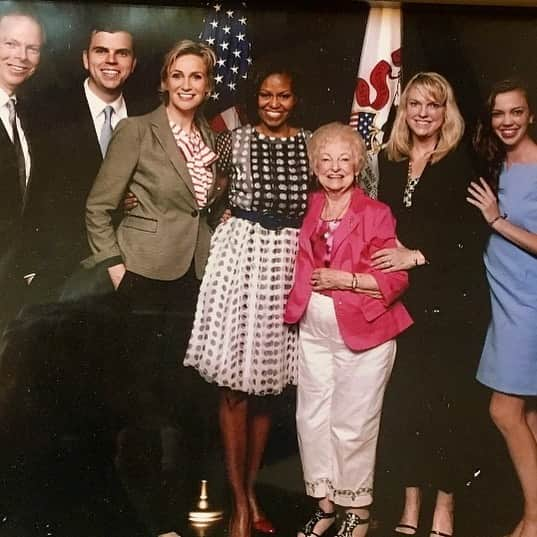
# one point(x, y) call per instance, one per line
point(378, 82)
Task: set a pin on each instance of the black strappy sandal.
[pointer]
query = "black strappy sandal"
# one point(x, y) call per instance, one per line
point(352, 520)
point(439, 533)
point(317, 516)
point(397, 533)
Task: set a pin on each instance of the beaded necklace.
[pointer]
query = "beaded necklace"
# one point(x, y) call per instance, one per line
point(411, 183)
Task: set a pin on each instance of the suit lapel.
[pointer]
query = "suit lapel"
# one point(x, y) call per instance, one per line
point(310, 223)
point(8, 169)
point(349, 223)
point(211, 195)
point(208, 138)
point(4, 136)
point(86, 134)
point(164, 135)
point(9, 144)
point(28, 136)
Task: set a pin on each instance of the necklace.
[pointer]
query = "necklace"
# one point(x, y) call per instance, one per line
point(411, 184)
point(338, 216)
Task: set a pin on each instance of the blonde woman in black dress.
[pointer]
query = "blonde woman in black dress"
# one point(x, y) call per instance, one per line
point(424, 171)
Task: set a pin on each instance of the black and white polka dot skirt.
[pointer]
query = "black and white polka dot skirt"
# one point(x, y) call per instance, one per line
point(239, 339)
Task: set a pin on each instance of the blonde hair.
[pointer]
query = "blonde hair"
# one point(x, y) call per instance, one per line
point(182, 48)
point(26, 15)
point(337, 132)
point(451, 131)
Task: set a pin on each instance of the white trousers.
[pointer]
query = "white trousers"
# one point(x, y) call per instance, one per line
point(339, 404)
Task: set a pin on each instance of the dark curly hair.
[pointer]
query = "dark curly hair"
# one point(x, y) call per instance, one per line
point(490, 150)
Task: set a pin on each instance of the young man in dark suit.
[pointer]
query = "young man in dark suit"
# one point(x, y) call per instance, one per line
point(83, 120)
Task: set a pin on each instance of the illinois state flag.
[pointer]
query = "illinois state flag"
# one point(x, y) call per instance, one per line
point(377, 84)
point(225, 29)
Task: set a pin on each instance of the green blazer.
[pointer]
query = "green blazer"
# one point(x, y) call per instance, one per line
point(159, 238)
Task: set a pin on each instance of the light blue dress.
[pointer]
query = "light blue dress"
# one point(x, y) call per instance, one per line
point(509, 359)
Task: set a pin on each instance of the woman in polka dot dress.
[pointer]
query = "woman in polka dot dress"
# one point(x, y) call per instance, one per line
point(239, 340)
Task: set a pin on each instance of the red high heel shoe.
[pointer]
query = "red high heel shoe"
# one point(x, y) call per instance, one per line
point(264, 525)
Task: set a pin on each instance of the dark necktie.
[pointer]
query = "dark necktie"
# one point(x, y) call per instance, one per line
point(106, 131)
point(21, 164)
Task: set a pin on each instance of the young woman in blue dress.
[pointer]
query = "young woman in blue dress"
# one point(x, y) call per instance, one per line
point(507, 199)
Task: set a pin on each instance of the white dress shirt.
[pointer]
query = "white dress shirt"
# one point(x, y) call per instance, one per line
point(4, 115)
point(97, 106)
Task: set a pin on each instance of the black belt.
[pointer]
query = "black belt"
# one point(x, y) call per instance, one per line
point(267, 220)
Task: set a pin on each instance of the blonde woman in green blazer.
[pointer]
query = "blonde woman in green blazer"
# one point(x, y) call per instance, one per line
point(155, 259)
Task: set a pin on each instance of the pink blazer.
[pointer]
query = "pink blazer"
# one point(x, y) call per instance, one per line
point(367, 226)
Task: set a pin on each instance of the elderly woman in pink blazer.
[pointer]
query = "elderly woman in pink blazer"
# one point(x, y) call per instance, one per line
point(349, 316)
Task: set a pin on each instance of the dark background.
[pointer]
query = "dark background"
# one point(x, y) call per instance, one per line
point(471, 46)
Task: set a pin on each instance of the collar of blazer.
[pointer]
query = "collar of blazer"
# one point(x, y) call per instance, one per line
point(85, 129)
point(7, 143)
point(163, 133)
point(4, 136)
point(349, 222)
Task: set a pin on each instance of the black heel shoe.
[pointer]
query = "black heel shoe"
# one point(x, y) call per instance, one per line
point(352, 521)
point(317, 516)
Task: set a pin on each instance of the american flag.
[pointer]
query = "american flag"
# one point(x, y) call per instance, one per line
point(225, 30)
point(363, 122)
point(377, 83)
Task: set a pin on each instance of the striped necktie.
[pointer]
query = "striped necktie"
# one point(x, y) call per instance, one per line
point(21, 164)
point(106, 131)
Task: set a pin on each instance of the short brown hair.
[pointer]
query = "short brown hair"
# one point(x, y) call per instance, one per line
point(112, 29)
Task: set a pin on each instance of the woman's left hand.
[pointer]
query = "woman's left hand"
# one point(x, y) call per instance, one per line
point(226, 215)
point(130, 201)
point(327, 278)
point(482, 196)
point(393, 259)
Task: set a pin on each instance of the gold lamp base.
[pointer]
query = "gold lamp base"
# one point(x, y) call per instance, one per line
point(203, 516)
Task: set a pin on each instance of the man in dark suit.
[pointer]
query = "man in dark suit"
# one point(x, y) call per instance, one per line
point(83, 127)
point(21, 39)
point(77, 128)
